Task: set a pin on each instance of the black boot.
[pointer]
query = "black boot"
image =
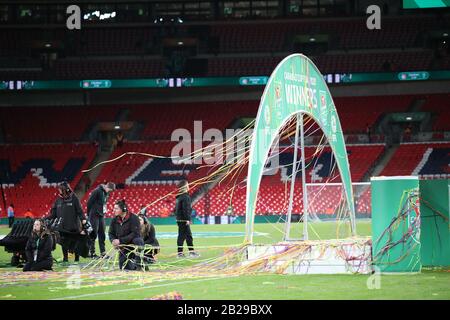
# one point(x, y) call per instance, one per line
point(65, 255)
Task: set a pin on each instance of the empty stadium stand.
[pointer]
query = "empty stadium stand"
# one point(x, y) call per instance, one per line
point(142, 179)
point(327, 63)
point(42, 145)
point(146, 180)
point(135, 51)
point(109, 69)
point(129, 68)
point(30, 172)
point(274, 192)
point(439, 106)
point(51, 124)
point(428, 160)
point(68, 124)
point(171, 116)
point(397, 32)
point(355, 113)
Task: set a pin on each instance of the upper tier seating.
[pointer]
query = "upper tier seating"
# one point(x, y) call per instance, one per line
point(52, 124)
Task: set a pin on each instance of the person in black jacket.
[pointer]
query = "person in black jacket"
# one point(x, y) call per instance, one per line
point(124, 234)
point(38, 249)
point(96, 208)
point(72, 236)
point(183, 210)
point(148, 235)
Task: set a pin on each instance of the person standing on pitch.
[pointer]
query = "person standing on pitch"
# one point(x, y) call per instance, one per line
point(67, 207)
point(183, 210)
point(10, 215)
point(96, 208)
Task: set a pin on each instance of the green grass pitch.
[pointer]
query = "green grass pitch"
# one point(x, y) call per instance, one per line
point(429, 284)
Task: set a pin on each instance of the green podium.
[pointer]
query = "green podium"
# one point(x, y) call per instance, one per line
point(396, 224)
point(435, 226)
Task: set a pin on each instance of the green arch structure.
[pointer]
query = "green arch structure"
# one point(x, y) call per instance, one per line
point(296, 86)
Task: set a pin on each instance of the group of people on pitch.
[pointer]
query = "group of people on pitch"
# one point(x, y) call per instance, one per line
point(129, 233)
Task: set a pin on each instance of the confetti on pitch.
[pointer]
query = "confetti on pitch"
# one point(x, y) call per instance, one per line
point(174, 295)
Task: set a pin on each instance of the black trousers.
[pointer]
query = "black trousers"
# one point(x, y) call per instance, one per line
point(66, 254)
point(10, 221)
point(39, 265)
point(184, 234)
point(125, 256)
point(99, 228)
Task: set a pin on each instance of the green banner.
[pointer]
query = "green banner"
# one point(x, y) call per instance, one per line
point(95, 84)
point(253, 81)
point(295, 87)
point(331, 78)
point(413, 75)
point(424, 4)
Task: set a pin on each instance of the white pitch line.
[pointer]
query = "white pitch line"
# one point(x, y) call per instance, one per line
point(139, 288)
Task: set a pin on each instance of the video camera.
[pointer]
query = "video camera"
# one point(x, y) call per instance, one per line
point(87, 227)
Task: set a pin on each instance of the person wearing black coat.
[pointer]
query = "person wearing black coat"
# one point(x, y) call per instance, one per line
point(148, 234)
point(67, 207)
point(124, 234)
point(183, 210)
point(38, 249)
point(96, 208)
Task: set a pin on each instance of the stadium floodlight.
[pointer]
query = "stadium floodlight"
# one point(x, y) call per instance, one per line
point(100, 16)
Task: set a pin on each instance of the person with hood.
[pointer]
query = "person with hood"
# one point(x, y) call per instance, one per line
point(148, 235)
point(124, 234)
point(68, 209)
point(183, 210)
point(96, 208)
point(38, 249)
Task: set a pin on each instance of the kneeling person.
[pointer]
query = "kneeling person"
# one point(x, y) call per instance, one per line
point(148, 235)
point(125, 230)
point(39, 249)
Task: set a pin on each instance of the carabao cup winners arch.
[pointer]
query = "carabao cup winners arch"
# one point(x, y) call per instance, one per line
point(295, 88)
